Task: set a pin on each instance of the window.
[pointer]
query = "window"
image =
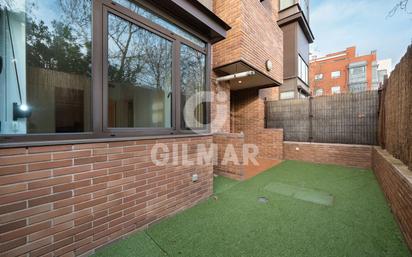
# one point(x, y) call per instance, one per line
point(358, 87)
point(287, 95)
point(303, 70)
point(318, 76)
point(286, 3)
point(193, 82)
point(335, 74)
point(304, 5)
point(357, 77)
point(140, 77)
point(335, 90)
point(49, 80)
point(375, 76)
point(318, 92)
point(160, 21)
point(45, 82)
point(357, 72)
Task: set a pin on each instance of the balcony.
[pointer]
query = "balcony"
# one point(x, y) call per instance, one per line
point(255, 43)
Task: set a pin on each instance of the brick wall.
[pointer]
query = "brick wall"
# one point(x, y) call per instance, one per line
point(396, 182)
point(269, 94)
point(254, 37)
point(270, 143)
point(71, 199)
point(229, 169)
point(248, 116)
point(346, 155)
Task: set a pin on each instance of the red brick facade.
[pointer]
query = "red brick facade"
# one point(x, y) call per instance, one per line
point(337, 62)
point(248, 117)
point(346, 155)
point(229, 169)
point(71, 199)
point(396, 182)
point(254, 37)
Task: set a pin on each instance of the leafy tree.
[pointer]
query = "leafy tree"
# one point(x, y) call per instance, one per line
point(57, 48)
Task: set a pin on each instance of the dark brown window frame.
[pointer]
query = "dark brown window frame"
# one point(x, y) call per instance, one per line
point(98, 109)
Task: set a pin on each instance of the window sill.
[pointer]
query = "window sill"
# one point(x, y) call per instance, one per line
point(96, 140)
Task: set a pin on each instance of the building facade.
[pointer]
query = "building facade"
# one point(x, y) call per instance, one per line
point(297, 35)
point(343, 72)
point(384, 70)
point(90, 90)
point(254, 45)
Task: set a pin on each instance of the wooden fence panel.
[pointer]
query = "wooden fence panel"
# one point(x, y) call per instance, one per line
point(292, 116)
point(395, 126)
point(343, 118)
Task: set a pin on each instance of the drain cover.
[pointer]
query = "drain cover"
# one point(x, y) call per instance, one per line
point(301, 193)
point(263, 200)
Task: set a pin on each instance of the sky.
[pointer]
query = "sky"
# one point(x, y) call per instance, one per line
point(338, 24)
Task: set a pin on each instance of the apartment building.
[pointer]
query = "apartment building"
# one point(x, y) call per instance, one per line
point(384, 70)
point(294, 20)
point(90, 89)
point(343, 72)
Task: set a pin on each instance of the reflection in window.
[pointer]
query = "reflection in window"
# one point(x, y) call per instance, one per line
point(357, 77)
point(140, 77)
point(193, 81)
point(358, 87)
point(357, 74)
point(46, 59)
point(160, 21)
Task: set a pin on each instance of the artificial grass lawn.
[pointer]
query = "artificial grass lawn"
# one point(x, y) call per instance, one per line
point(359, 222)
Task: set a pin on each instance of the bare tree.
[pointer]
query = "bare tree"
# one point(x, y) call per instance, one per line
point(401, 5)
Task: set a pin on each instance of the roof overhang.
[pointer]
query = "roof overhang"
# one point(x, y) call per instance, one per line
point(197, 15)
point(259, 80)
point(296, 16)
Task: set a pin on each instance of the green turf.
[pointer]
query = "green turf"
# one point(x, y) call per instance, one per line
point(357, 224)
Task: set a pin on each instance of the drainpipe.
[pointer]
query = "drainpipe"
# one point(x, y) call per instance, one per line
point(236, 76)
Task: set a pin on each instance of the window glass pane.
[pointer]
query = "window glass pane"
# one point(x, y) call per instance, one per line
point(336, 90)
point(140, 77)
point(287, 95)
point(193, 81)
point(160, 21)
point(303, 70)
point(286, 3)
point(357, 87)
point(45, 47)
point(357, 74)
point(335, 74)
